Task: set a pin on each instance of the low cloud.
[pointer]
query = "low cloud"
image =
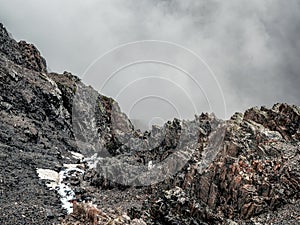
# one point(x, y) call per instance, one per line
point(253, 48)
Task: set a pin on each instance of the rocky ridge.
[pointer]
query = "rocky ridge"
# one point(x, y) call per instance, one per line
point(241, 171)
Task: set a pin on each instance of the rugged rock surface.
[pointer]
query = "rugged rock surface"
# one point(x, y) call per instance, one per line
point(206, 171)
point(35, 131)
point(256, 171)
point(21, 53)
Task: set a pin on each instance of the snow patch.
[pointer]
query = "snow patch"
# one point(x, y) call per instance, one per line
point(65, 192)
point(150, 165)
point(51, 175)
point(57, 183)
point(92, 161)
point(77, 155)
point(73, 166)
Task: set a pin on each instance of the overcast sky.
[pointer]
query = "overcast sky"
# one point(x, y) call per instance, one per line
point(211, 55)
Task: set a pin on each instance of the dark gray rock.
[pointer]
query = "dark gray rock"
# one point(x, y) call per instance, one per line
point(206, 171)
point(21, 53)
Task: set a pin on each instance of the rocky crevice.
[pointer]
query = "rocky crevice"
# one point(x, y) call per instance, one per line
point(241, 171)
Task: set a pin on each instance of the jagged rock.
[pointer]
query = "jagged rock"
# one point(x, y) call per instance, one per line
point(35, 132)
point(257, 171)
point(66, 83)
point(205, 171)
point(21, 53)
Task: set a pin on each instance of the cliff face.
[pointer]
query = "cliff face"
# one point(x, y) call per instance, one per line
point(206, 171)
point(35, 131)
point(256, 171)
point(21, 53)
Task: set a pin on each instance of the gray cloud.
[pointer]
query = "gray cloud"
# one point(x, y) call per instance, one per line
point(252, 46)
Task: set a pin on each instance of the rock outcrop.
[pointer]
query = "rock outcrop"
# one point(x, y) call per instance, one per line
point(35, 132)
point(21, 53)
point(257, 171)
point(206, 171)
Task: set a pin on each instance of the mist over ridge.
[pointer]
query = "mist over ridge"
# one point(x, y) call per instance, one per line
point(252, 47)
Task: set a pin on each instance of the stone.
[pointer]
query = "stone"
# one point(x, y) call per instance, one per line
point(205, 171)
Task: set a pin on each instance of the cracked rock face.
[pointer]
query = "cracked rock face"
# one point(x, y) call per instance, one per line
point(21, 53)
point(57, 132)
point(256, 172)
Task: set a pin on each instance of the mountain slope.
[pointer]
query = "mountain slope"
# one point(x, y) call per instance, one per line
point(204, 171)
